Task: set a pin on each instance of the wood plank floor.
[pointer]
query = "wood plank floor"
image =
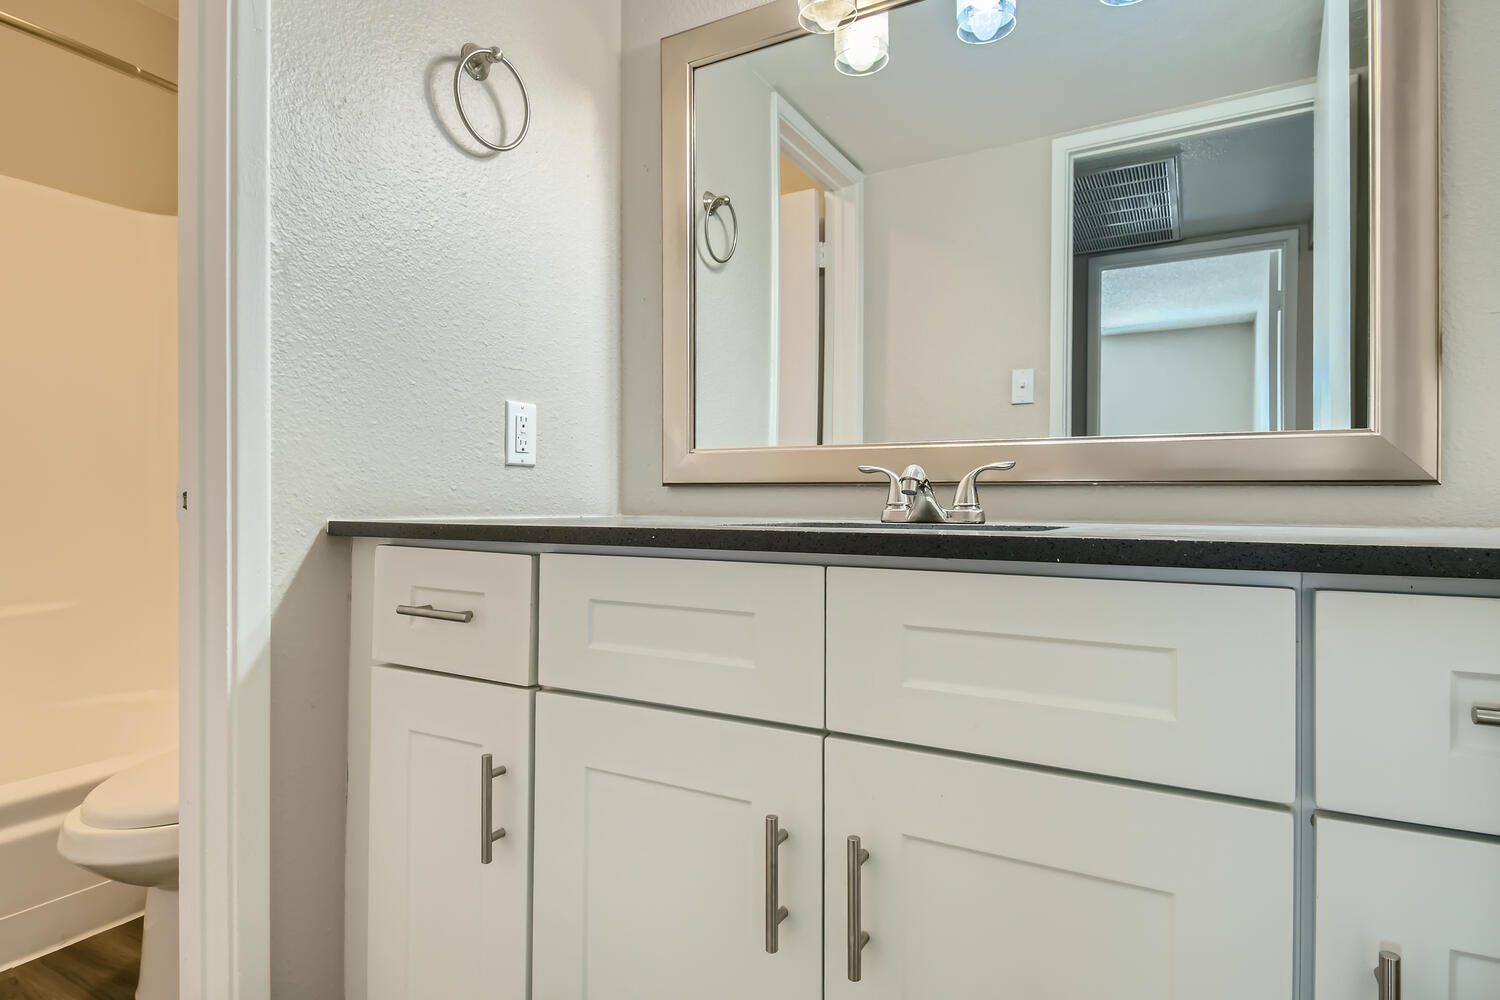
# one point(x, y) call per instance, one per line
point(103, 967)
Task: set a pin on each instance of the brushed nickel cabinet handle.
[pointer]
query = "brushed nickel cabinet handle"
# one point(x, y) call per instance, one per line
point(488, 772)
point(1485, 715)
point(775, 912)
point(858, 937)
point(428, 611)
point(1388, 975)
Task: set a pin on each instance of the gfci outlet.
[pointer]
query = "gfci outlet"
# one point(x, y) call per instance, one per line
point(520, 433)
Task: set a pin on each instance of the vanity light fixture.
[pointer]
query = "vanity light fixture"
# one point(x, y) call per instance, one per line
point(863, 46)
point(823, 17)
point(983, 21)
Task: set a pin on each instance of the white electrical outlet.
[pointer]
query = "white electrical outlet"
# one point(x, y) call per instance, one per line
point(1023, 386)
point(520, 433)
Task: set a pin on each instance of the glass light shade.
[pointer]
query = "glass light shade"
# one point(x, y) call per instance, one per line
point(863, 47)
point(1118, 3)
point(822, 17)
point(983, 21)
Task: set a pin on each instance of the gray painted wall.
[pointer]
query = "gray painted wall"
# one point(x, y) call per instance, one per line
point(1469, 495)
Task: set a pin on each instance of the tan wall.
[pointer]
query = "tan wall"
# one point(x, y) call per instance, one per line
point(78, 126)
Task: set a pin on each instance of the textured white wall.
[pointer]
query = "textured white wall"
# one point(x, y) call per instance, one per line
point(1469, 495)
point(415, 288)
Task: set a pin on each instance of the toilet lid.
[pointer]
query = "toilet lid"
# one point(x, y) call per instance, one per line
point(137, 798)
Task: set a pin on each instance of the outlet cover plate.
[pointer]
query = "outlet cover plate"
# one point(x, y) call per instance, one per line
point(520, 433)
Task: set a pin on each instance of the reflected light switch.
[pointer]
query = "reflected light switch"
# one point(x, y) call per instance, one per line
point(1023, 386)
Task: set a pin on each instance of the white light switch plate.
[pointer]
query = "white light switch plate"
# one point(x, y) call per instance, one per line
point(1023, 386)
point(520, 433)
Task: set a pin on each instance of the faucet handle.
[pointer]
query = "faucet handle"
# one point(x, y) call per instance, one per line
point(896, 502)
point(966, 509)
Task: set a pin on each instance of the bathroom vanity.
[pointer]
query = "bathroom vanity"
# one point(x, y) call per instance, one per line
point(648, 758)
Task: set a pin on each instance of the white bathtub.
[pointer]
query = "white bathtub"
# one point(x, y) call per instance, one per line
point(50, 758)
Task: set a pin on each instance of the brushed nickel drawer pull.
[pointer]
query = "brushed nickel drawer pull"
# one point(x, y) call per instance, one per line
point(1485, 715)
point(428, 611)
point(858, 937)
point(488, 772)
point(775, 912)
point(1388, 975)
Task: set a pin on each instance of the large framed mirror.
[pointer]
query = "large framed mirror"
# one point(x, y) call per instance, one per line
point(1114, 240)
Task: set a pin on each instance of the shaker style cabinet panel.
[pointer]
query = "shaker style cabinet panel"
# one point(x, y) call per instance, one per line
point(448, 905)
point(658, 876)
point(1408, 708)
point(983, 880)
point(1176, 684)
point(455, 612)
point(1430, 899)
point(736, 638)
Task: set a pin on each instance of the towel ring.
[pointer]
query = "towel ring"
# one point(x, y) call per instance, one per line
point(711, 205)
point(476, 62)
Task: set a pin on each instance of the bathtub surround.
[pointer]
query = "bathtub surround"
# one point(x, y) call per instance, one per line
point(414, 288)
point(87, 632)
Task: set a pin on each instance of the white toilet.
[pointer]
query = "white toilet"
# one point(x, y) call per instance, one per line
point(126, 830)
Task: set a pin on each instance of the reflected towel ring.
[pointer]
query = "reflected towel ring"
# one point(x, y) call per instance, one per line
point(476, 62)
point(711, 205)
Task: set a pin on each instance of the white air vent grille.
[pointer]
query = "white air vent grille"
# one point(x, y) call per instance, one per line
point(1131, 206)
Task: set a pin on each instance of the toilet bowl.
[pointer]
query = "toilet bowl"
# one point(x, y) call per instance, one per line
point(126, 830)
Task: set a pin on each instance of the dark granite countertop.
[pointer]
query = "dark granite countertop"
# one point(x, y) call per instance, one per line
point(1451, 553)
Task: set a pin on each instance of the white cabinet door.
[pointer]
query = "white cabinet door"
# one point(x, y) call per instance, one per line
point(1433, 900)
point(984, 880)
point(443, 923)
point(651, 856)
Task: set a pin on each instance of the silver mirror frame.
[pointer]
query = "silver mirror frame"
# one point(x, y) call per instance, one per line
point(1405, 279)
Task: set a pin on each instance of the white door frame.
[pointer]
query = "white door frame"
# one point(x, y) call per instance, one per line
point(224, 499)
point(1276, 336)
point(1067, 150)
point(844, 308)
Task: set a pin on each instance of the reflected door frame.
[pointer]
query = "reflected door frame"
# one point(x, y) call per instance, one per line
point(1276, 360)
point(1067, 150)
point(843, 262)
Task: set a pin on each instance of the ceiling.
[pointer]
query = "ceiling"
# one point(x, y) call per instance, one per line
point(1070, 65)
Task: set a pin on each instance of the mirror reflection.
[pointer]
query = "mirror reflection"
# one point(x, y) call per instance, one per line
point(1111, 219)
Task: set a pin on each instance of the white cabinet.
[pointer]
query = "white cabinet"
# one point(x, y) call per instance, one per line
point(1399, 677)
point(1434, 900)
point(651, 856)
point(985, 880)
point(1177, 684)
point(736, 638)
point(455, 611)
point(443, 922)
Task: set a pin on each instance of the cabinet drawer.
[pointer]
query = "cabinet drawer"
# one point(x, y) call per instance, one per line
point(1398, 679)
point(739, 638)
point(1177, 684)
point(1433, 900)
point(455, 612)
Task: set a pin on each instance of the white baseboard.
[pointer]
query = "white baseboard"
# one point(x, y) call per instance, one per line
point(57, 923)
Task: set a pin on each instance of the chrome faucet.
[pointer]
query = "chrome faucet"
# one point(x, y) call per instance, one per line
point(911, 500)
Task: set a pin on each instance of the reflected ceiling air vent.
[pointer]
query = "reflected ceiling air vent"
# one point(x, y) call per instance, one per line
point(1130, 206)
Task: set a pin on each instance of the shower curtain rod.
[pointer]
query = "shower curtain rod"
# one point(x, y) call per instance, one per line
point(87, 51)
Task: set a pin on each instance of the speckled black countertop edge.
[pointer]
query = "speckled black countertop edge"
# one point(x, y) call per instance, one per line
point(1431, 561)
